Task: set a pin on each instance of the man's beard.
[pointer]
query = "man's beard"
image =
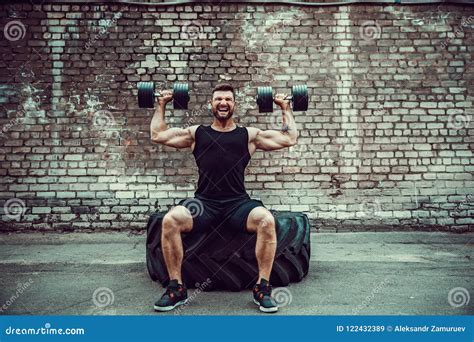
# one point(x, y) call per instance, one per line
point(223, 118)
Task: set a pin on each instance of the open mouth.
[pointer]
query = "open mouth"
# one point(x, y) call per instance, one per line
point(223, 109)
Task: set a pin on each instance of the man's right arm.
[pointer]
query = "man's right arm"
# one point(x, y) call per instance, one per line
point(161, 134)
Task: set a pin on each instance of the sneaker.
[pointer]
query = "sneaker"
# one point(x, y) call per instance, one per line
point(262, 296)
point(175, 295)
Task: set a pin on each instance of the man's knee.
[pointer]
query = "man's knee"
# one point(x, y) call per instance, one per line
point(262, 221)
point(178, 219)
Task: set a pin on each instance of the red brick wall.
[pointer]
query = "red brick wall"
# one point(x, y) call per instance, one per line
point(387, 141)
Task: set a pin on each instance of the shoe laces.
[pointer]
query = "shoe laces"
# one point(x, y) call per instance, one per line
point(265, 290)
point(172, 291)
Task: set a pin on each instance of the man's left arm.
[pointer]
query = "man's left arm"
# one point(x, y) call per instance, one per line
point(269, 140)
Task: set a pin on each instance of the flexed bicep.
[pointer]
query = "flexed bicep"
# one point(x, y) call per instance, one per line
point(269, 140)
point(175, 137)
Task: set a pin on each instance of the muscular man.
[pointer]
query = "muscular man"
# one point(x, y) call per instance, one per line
point(222, 151)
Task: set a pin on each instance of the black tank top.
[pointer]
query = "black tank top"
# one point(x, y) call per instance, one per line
point(221, 158)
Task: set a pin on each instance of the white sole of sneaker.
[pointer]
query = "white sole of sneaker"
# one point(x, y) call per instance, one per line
point(266, 310)
point(169, 308)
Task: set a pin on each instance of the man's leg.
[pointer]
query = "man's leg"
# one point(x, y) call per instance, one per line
point(177, 221)
point(262, 222)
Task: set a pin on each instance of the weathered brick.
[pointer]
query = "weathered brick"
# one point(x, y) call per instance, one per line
point(382, 124)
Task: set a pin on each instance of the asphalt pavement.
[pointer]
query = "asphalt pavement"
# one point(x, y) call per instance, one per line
point(377, 273)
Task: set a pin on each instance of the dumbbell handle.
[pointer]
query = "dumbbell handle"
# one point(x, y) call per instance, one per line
point(286, 98)
point(158, 94)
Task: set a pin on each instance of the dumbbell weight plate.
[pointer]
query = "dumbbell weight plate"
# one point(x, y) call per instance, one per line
point(180, 95)
point(299, 94)
point(265, 99)
point(146, 94)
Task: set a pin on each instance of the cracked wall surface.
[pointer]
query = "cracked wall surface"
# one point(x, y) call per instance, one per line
point(385, 144)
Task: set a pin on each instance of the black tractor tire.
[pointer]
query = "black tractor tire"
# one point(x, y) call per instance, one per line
point(224, 260)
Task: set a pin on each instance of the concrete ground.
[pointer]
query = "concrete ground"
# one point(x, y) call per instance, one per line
point(389, 273)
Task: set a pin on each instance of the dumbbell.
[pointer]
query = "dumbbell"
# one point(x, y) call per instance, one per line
point(299, 98)
point(146, 95)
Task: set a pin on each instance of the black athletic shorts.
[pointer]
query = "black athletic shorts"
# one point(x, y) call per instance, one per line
point(213, 214)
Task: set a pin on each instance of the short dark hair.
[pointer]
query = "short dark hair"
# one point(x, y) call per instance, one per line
point(223, 87)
